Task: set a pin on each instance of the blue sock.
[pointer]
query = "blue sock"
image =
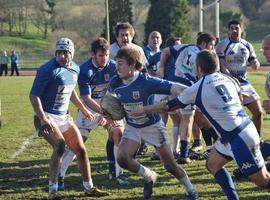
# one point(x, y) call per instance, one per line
point(110, 157)
point(225, 181)
point(197, 142)
point(184, 149)
point(265, 149)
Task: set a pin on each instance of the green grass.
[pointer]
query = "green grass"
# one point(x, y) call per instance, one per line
point(26, 175)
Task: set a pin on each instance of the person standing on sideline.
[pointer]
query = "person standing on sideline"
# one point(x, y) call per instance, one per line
point(14, 59)
point(4, 63)
point(234, 54)
point(136, 89)
point(52, 91)
point(93, 81)
point(219, 98)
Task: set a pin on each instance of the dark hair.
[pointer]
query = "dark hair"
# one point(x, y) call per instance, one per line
point(132, 56)
point(205, 37)
point(233, 22)
point(208, 61)
point(100, 44)
point(124, 25)
point(171, 41)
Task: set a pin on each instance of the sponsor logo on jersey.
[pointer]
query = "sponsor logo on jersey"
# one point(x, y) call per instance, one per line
point(246, 166)
point(135, 95)
point(231, 52)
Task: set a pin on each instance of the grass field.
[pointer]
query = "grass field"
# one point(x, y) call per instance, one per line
point(24, 158)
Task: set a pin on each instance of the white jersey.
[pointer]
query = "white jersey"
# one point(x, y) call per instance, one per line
point(185, 60)
point(217, 96)
point(114, 47)
point(236, 55)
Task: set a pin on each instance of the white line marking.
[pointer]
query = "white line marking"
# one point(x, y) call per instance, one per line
point(23, 146)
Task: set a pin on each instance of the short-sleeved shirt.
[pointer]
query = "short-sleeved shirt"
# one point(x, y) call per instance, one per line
point(217, 96)
point(140, 92)
point(93, 80)
point(236, 55)
point(148, 52)
point(54, 85)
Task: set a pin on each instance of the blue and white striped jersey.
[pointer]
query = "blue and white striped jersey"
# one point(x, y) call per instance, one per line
point(236, 55)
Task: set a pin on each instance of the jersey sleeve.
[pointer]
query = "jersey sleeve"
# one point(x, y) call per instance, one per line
point(158, 86)
point(83, 82)
point(188, 96)
point(41, 81)
point(220, 50)
point(252, 54)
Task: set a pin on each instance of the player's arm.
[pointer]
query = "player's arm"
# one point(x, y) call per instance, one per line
point(255, 64)
point(46, 125)
point(77, 102)
point(166, 53)
point(91, 103)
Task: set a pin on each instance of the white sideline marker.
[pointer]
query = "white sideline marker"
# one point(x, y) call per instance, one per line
point(23, 146)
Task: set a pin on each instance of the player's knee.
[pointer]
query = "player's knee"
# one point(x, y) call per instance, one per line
point(60, 147)
point(123, 159)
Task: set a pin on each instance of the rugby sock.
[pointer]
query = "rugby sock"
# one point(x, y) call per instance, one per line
point(53, 186)
point(197, 142)
point(176, 138)
point(186, 182)
point(110, 157)
point(88, 184)
point(118, 169)
point(146, 173)
point(265, 149)
point(68, 157)
point(207, 137)
point(184, 149)
point(225, 181)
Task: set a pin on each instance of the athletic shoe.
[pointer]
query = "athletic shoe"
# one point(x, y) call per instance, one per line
point(204, 155)
point(196, 147)
point(122, 180)
point(142, 150)
point(154, 156)
point(95, 192)
point(61, 184)
point(238, 174)
point(176, 154)
point(193, 155)
point(148, 186)
point(192, 195)
point(182, 160)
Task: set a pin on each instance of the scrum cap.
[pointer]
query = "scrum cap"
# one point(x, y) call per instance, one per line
point(65, 44)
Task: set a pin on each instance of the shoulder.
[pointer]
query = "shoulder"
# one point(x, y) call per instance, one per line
point(115, 82)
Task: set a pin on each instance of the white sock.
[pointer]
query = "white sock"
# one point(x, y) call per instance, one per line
point(146, 173)
point(53, 186)
point(88, 184)
point(68, 157)
point(176, 138)
point(188, 185)
point(118, 169)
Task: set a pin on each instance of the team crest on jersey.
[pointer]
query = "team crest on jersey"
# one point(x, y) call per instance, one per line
point(107, 77)
point(243, 51)
point(75, 77)
point(135, 95)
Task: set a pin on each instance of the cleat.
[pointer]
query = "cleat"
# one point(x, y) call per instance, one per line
point(196, 147)
point(112, 175)
point(142, 150)
point(182, 160)
point(176, 154)
point(238, 174)
point(148, 186)
point(154, 156)
point(95, 192)
point(61, 184)
point(193, 155)
point(204, 155)
point(122, 180)
point(192, 195)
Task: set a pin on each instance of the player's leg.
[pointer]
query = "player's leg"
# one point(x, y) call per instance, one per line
point(257, 114)
point(185, 128)
point(57, 141)
point(75, 142)
point(215, 165)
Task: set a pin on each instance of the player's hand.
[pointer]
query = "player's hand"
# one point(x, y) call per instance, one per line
point(266, 106)
point(46, 126)
point(160, 73)
point(88, 115)
point(102, 121)
point(137, 111)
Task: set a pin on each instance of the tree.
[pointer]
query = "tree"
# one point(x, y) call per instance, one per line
point(119, 11)
point(170, 18)
point(251, 8)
